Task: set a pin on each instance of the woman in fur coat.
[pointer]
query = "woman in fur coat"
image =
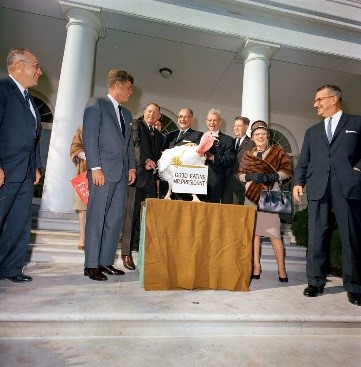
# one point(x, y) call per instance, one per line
point(260, 167)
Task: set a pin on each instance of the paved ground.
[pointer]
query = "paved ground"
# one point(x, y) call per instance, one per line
point(64, 319)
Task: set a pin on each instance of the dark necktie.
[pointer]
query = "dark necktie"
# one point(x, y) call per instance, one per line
point(151, 128)
point(121, 119)
point(26, 96)
point(237, 143)
point(180, 136)
point(329, 130)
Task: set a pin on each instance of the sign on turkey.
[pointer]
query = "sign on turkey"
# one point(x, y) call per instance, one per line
point(190, 180)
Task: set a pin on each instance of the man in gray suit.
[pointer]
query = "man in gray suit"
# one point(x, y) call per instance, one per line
point(330, 166)
point(234, 189)
point(109, 149)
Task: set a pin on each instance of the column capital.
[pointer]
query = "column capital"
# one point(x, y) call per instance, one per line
point(256, 50)
point(84, 15)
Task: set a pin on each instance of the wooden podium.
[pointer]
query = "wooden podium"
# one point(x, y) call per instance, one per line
point(192, 245)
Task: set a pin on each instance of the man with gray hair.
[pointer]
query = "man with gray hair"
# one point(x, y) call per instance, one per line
point(20, 129)
point(220, 157)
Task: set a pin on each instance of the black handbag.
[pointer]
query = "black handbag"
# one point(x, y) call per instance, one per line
point(272, 201)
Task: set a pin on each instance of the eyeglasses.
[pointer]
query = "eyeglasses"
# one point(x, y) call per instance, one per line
point(185, 117)
point(259, 134)
point(318, 100)
point(36, 64)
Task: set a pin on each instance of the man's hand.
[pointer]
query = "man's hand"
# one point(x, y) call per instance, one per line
point(2, 177)
point(37, 176)
point(297, 193)
point(209, 156)
point(149, 164)
point(98, 177)
point(132, 175)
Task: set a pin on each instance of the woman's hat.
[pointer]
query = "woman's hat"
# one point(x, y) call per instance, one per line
point(259, 124)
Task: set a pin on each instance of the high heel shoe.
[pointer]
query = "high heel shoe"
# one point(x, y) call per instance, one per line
point(256, 276)
point(283, 280)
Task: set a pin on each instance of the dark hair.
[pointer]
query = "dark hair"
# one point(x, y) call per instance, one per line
point(245, 120)
point(118, 76)
point(333, 89)
point(14, 54)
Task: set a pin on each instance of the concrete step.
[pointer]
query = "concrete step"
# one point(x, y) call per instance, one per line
point(61, 302)
point(293, 264)
point(58, 253)
point(52, 237)
point(61, 246)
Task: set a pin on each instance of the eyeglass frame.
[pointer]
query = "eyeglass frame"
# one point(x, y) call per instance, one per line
point(320, 99)
point(36, 64)
point(185, 116)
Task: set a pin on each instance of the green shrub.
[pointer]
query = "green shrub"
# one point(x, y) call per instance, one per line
point(299, 228)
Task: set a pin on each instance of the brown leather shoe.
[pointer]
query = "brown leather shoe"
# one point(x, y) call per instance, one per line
point(95, 274)
point(128, 262)
point(111, 270)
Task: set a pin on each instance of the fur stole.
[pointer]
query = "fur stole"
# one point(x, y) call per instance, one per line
point(75, 148)
point(276, 160)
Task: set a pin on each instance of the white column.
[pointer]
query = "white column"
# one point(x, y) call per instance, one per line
point(255, 95)
point(83, 28)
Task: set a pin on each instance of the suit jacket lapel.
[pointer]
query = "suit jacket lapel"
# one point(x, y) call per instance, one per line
point(20, 95)
point(111, 110)
point(340, 125)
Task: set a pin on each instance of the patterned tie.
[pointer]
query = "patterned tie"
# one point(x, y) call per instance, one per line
point(121, 119)
point(26, 96)
point(151, 128)
point(329, 130)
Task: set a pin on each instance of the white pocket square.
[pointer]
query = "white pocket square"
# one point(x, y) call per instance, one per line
point(351, 131)
point(186, 141)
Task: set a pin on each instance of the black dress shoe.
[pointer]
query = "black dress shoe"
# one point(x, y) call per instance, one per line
point(313, 291)
point(95, 274)
point(256, 276)
point(111, 270)
point(354, 298)
point(22, 278)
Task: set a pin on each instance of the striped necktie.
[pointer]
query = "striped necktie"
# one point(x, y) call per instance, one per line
point(329, 130)
point(121, 119)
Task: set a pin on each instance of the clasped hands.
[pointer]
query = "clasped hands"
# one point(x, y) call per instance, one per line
point(268, 178)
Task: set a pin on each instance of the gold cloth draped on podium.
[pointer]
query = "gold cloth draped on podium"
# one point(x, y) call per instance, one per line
point(195, 245)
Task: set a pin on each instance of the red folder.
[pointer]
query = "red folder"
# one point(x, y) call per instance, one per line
point(80, 184)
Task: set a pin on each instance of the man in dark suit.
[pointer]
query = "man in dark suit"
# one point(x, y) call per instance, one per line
point(184, 135)
point(147, 142)
point(109, 150)
point(234, 189)
point(20, 128)
point(220, 157)
point(330, 166)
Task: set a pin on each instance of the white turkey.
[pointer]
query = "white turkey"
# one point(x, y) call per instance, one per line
point(187, 154)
